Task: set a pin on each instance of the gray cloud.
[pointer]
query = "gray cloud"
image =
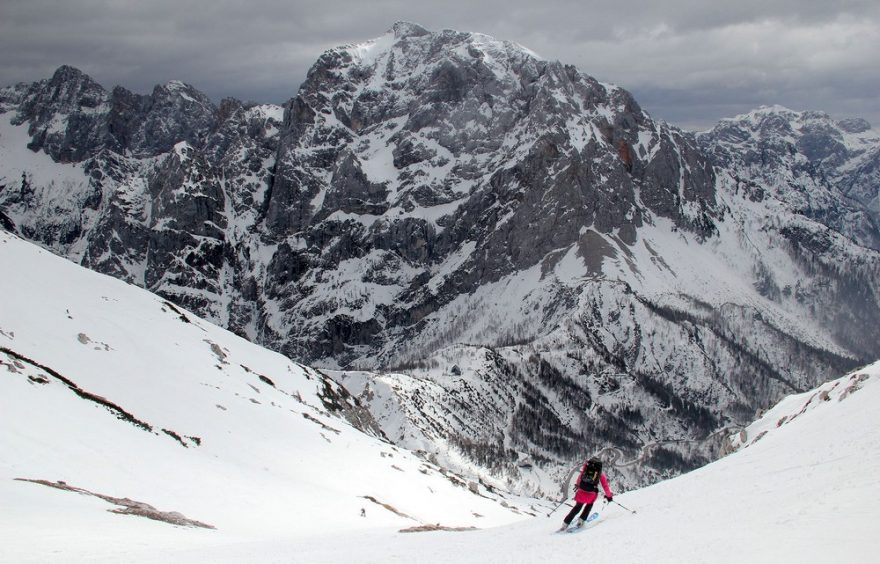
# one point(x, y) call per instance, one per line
point(690, 62)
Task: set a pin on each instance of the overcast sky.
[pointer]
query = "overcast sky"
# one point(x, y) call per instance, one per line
point(689, 62)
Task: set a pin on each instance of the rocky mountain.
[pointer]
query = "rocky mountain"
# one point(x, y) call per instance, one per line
point(538, 268)
point(823, 169)
point(820, 170)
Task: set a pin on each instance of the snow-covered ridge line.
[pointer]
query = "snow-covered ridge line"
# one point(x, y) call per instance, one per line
point(802, 116)
point(368, 51)
point(792, 407)
point(14, 358)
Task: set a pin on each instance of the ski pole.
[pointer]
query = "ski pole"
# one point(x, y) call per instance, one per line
point(627, 508)
point(561, 503)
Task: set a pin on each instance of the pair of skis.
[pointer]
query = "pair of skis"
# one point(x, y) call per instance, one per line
point(592, 517)
point(575, 528)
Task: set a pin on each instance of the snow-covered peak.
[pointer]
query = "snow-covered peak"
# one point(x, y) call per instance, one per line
point(69, 90)
point(403, 29)
point(777, 119)
point(415, 49)
point(764, 121)
point(813, 163)
point(783, 137)
point(368, 51)
point(183, 91)
point(763, 111)
point(176, 85)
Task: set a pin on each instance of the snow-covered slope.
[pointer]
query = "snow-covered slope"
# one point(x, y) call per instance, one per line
point(801, 486)
point(114, 391)
point(805, 492)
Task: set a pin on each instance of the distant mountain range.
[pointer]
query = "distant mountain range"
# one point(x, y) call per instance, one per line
point(550, 271)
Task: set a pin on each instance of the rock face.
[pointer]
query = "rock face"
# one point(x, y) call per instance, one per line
point(824, 170)
point(556, 272)
point(818, 171)
point(422, 153)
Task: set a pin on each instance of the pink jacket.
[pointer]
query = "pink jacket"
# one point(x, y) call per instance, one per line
point(583, 496)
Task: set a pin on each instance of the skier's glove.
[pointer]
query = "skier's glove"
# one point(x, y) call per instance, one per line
point(609, 498)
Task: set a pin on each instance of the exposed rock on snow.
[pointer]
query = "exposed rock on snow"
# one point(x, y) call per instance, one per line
point(127, 506)
point(793, 407)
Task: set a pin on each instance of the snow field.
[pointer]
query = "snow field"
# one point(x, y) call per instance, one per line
point(260, 460)
point(804, 493)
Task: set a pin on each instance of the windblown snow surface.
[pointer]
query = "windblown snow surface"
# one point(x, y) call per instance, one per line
point(108, 389)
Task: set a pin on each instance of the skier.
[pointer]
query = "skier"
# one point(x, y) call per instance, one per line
point(586, 491)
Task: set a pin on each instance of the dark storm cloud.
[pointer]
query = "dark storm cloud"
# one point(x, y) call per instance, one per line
point(690, 62)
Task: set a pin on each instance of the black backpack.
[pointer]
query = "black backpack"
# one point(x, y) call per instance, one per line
point(590, 476)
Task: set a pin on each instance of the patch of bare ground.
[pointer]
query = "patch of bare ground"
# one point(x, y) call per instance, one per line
point(418, 528)
point(435, 527)
point(388, 507)
point(127, 506)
